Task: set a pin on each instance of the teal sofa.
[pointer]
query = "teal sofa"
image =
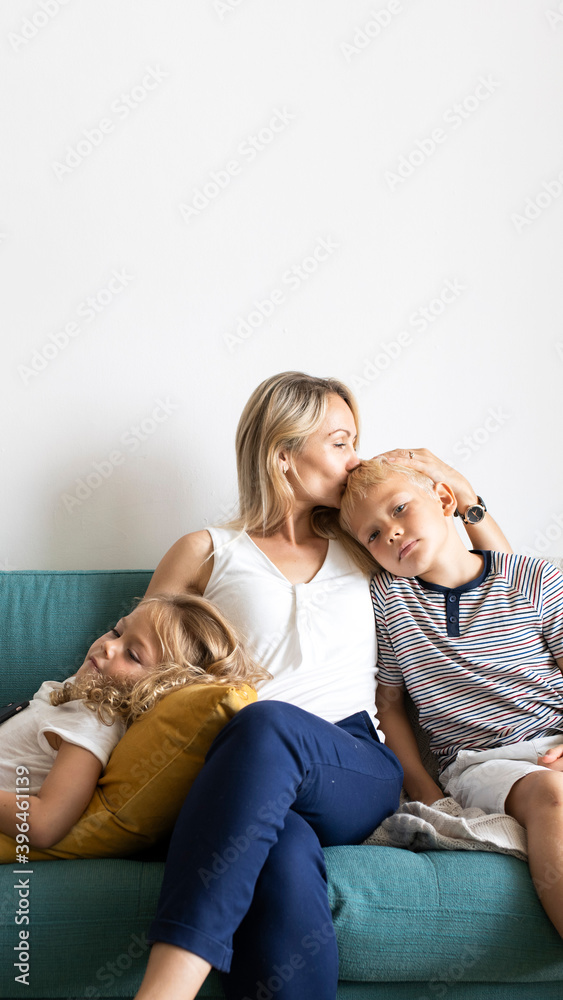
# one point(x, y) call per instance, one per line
point(461, 925)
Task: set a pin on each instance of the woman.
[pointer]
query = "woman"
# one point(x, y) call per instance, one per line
point(244, 888)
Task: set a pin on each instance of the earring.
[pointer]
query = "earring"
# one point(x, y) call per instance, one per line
point(285, 468)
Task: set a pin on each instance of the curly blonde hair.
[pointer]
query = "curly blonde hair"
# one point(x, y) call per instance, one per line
point(198, 646)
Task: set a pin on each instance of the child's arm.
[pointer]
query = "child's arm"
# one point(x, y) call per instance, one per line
point(400, 738)
point(554, 757)
point(60, 801)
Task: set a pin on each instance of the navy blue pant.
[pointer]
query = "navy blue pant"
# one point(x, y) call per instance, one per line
point(245, 881)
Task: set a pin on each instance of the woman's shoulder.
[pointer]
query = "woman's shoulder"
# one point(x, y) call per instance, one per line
point(192, 548)
point(197, 543)
point(187, 564)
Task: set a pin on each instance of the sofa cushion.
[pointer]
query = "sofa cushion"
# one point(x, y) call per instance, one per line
point(439, 916)
point(416, 926)
point(141, 791)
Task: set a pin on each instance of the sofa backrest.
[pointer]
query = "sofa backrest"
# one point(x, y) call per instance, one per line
point(50, 619)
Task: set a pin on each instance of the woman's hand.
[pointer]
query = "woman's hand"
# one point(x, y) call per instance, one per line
point(553, 758)
point(424, 461)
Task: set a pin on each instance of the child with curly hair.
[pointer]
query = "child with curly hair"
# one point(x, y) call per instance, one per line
point(67, 733)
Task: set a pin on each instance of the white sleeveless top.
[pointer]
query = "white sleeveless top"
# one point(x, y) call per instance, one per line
point(317, 639)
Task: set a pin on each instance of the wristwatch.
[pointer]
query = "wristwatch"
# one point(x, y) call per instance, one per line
point(474, 513)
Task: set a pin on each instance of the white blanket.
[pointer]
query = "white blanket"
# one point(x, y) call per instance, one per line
point(445, 826)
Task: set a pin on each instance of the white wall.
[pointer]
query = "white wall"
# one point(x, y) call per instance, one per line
point(472, 235)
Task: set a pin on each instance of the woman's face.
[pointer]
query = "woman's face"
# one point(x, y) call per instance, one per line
point(323, 464)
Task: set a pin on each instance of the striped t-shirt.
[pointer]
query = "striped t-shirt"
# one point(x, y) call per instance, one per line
point(478, 660)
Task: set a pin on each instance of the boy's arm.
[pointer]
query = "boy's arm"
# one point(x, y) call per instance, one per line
point(60, 801)
point(401, 740)
point(552, 624)
point(554, 757)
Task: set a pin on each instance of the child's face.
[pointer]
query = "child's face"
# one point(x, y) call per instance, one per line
point(402, 525)
point(126, 652)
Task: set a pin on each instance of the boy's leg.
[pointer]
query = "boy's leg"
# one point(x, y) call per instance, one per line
point(536, 801)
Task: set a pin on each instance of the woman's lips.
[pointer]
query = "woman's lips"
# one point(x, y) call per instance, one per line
point(407, 549)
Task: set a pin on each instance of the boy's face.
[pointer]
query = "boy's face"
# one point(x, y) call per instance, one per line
point(126, 652)
point(404, 527)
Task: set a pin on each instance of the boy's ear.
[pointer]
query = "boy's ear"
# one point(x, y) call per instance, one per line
point(447, 498)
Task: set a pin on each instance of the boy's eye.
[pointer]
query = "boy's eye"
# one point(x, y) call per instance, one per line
point(134, 656)
point(400, 508)
point(373, 536)
point(114, 632)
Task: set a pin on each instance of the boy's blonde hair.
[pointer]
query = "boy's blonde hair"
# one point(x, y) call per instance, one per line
point(367, 475)
point(281, 414)
point(197, 645)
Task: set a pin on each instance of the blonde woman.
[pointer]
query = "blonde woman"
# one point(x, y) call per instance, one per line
point(304, 767)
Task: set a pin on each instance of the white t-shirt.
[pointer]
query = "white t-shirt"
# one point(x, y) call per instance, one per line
point(23, 740)
point(317, 639)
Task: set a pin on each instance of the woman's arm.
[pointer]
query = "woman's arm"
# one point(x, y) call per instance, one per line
point(186, 566)
point(60, 801)
point(401, 740)
point(487, 534)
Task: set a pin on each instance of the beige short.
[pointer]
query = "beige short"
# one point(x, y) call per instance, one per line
point(483, 778)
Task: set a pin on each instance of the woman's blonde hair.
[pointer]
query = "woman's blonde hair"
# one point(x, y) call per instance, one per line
point(281, 414)
point(197, 645)
point(367, 475)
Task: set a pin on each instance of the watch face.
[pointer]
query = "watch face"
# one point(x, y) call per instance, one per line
point(474, 514)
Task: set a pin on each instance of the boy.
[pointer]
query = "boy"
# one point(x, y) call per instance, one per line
point(477, 640)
